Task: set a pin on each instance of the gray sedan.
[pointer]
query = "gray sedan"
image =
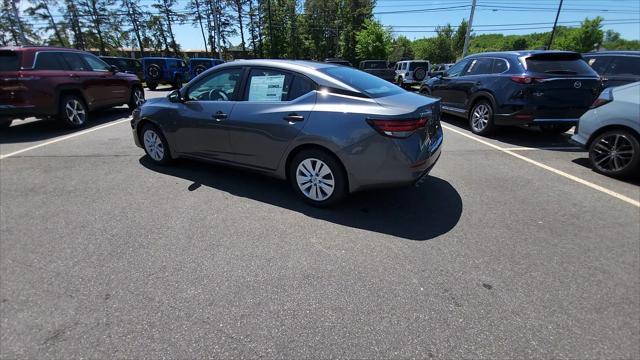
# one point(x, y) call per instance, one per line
point(329, 130)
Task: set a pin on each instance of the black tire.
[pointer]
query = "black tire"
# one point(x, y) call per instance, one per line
point(177, 83)
point(555, 129)
point(485, 125)
point(400, 83)
point(72, 112)
point(618, 142)
point(137, 97)
point(319, 181)
point(425, 91)
point(155, 144)
point(152, 86)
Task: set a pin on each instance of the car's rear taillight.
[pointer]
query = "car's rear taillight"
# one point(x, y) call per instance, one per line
point(605, 97)
point(398, 128)
point(523, 79)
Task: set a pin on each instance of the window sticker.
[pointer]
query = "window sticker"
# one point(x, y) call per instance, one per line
point(266, 88)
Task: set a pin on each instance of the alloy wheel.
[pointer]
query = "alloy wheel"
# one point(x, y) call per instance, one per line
point(613, 153)
point(315, 179)
point(153, 144)
point(480, 117)
point(138, 97)
point(76, 114)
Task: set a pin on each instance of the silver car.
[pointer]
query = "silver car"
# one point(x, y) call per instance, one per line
point(611, 131)
point(411, 72)
point(328, 129)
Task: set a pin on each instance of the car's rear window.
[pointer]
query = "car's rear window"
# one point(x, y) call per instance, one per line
point(9, 61)
point(559, 66)
point(368, 84)
point(414, 65)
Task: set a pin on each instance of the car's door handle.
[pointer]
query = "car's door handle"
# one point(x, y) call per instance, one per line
point(219, 116)
point(293, 117)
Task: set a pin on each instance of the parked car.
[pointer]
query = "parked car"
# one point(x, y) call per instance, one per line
point(611, 131)
point(379, 68)
point(439, 69)
point(411, 72)
point(61, 83)
point(199, 65)
point(162, 70)
point(549, 89)
point(328, 129)
point(616, 67)
point(126, 65)
point(337, 61)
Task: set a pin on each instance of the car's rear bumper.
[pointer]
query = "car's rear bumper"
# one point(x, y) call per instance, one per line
point(533, 116)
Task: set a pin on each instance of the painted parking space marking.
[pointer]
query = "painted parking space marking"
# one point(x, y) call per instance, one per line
point(602, 189)
point(558, 148)
point(62, 138)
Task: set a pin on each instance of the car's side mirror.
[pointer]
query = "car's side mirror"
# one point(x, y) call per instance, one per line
point(113, 69)
point(175, 96)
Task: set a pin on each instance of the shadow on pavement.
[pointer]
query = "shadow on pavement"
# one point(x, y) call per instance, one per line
point(44, 129)
point(411, 213)
point(520, 136)
point(584, 162)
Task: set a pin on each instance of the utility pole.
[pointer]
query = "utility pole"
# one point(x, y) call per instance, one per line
point(271, 48)
point(23, 39)
point(217, 26)
point(469, 25)
point(553, 32)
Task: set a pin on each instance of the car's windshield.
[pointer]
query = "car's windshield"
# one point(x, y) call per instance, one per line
point(9, 61)
point(370, 85)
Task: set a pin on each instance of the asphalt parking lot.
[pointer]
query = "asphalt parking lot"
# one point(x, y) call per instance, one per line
point(512, 248)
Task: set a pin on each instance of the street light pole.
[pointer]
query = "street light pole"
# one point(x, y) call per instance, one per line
point(469, 25)
point(555, 23)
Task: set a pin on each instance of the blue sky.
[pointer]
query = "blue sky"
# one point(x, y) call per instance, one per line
point(501, 15)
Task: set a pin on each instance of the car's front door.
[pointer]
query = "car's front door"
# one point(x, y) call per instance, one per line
point(444, 88)
point(469, 80)
point(275, 107)
point(93, 86)
point(202, 129)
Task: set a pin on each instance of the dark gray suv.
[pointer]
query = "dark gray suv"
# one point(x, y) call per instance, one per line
point(328, 129)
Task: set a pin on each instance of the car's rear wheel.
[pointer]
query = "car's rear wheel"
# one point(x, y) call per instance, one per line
point(317, 177)
point(155, 145)
point(72, 112)
point(615, 153)
point(400, 83)
point(555, 129)
point(152, 86)
point(137, 98)
point(481, 118)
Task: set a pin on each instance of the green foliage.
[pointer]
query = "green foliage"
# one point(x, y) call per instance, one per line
point(401, 49)
point(373, 41)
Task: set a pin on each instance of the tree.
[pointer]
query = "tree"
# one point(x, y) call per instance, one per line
point(589, 36)
point(98, 12)
point(166, 8)
point(41, 10)
point(401, 49)
point(72, 16)
point(373, 41)
point(238, 8)
point(11, 26)
point(135, 16)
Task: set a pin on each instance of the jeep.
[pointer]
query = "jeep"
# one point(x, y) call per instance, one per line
point(60, 83)
point(162, 70)
point(198, 65)
point(411, 72)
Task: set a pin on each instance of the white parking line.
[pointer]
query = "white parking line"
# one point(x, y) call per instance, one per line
point(616, 195)
point(558, 148)
point(62, 138)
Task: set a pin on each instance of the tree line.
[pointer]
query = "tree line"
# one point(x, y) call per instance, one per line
point(293, 29)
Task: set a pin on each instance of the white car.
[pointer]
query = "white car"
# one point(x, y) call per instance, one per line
point(611, 131)
point(411, 72)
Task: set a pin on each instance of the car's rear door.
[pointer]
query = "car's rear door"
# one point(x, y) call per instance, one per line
point(92, 83)
point(201, 127)
point(276, 105)
point(116, 86)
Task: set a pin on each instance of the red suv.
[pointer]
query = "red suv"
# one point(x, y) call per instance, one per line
point(61, 83)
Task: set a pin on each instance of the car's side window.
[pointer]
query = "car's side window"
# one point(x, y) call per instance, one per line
point(479, 66)
point(300, 86)
point(624, 65)
point(499, 66)
point(219, 86)
point(50, 61)
point(268, 85)
point(74, 61)
point(95, 64)
point(456, 69)
point(599, 63)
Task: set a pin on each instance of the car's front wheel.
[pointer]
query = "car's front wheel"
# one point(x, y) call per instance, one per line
point(481, 118)
point(615, 153)
point(317, 177)
point(72, 111)
point(155, 145)
point(137, 98)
